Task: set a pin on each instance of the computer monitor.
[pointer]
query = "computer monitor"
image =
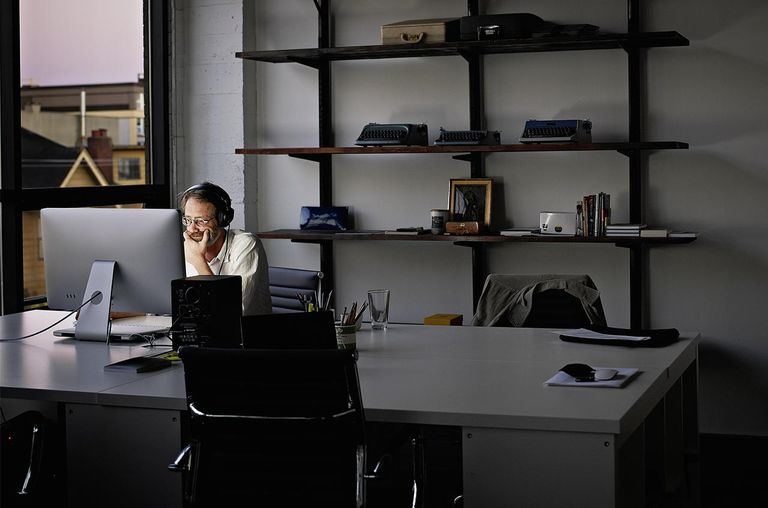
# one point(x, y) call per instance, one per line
point(129, 255)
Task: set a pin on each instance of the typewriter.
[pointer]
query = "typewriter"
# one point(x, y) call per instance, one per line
point(469, 137)
point(557, 131)
point(380, 134)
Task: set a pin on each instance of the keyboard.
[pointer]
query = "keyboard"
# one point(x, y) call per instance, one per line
point(128, 328)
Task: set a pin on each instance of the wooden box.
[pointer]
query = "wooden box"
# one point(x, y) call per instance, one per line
point(462, 228)
point(444, 319)
point(416, 31)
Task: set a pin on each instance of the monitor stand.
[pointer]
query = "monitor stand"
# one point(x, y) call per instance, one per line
point(93, 322)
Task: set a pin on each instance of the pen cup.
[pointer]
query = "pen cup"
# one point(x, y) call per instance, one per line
point(346, 336)
point(378, 304)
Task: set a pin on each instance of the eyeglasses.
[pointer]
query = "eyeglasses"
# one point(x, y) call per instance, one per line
point(197, 221)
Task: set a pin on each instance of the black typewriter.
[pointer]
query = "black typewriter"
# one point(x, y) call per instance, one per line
point(468, 137)
point(557, 131)
point(380, 134)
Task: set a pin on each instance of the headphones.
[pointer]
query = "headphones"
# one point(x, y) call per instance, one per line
point(216, 196)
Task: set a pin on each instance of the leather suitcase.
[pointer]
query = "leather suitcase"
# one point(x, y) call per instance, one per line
point(416, 31)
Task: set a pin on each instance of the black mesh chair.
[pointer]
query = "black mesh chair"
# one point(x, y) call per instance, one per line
point(31, 459)
point(285, 283)
point(539, 301)
point(273, 428)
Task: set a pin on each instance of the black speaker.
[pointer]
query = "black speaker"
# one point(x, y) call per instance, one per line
point(207, 310)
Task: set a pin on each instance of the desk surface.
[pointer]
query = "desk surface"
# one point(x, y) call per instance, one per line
point(466, 376)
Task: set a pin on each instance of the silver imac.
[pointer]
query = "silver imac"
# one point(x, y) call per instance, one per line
point(128, 255)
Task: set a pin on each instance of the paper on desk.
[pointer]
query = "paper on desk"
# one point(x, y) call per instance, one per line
point(583, 333)
point(621, 378)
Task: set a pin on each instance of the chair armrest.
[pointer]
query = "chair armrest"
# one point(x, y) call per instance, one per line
point(380, 470)
point(182, 462)
point(34, 461)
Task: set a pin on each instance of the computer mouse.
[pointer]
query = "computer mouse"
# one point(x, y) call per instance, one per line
point(605, 374)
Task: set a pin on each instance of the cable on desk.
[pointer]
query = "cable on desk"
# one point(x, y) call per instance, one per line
point(9, 339)
point(151, 338)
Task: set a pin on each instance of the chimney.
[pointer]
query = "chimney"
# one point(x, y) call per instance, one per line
point(100, 148)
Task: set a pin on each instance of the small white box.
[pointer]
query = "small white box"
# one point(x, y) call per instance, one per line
point(558, 223)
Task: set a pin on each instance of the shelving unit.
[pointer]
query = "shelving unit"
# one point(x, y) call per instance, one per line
point(633, 43)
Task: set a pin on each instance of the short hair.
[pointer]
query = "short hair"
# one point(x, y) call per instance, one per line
point(211, 193)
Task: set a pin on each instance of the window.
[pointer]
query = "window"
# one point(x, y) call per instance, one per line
point(89, 130)
point(129, 169)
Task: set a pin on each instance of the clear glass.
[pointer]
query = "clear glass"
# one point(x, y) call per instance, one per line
point(378, 304)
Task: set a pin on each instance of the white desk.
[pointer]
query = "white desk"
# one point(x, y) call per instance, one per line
point(524, 443)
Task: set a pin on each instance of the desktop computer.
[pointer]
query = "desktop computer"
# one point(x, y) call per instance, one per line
point(207, 310)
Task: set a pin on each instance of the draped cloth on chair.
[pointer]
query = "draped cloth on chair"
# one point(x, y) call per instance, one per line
point(508, 300)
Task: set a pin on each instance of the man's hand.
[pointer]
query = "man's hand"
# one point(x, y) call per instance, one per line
point(194, 252)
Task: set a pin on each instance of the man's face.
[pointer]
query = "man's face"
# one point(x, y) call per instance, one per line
point(197, 209)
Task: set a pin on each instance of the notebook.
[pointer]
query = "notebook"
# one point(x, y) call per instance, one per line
point(140, 364)
point(290, 330)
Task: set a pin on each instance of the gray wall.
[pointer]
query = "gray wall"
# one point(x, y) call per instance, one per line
point(209, 99)
point(710, 95)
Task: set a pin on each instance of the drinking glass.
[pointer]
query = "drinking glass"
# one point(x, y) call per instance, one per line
point(378, 304)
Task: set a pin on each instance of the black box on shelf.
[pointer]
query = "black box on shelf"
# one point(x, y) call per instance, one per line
point(502, 26)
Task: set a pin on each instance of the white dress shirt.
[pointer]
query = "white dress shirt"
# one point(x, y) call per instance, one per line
point(243, 254)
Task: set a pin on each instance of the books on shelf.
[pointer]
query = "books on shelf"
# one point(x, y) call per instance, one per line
point(407, 231)
point(624, 229)
point(593, 214)
point(518, 231)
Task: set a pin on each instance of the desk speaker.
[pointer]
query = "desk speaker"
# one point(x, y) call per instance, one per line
point(207, 310)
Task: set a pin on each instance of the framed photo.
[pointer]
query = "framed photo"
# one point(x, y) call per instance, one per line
point(470, 200)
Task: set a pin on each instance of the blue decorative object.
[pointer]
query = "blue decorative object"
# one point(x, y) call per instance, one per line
point(330, 218)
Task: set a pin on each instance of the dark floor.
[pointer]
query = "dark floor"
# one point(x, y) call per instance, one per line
point(733, 471)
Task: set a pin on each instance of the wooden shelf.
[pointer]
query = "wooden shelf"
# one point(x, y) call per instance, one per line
point(527, 147)
point(302, 235)
point(312, 56)
point(634, 43)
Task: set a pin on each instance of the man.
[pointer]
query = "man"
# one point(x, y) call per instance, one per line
point(211, 248)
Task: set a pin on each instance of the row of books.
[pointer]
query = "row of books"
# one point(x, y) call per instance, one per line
point(593, 214)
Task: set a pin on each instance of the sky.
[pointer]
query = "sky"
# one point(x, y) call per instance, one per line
point(78, 42)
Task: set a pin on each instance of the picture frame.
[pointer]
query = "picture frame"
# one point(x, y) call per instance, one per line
point(470, 200)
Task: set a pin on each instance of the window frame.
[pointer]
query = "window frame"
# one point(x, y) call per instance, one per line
point(14, 199)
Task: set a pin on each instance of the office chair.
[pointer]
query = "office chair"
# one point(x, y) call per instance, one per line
point(539, 301)
point(279, 427)
point(284, 283)
point(31, 452)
